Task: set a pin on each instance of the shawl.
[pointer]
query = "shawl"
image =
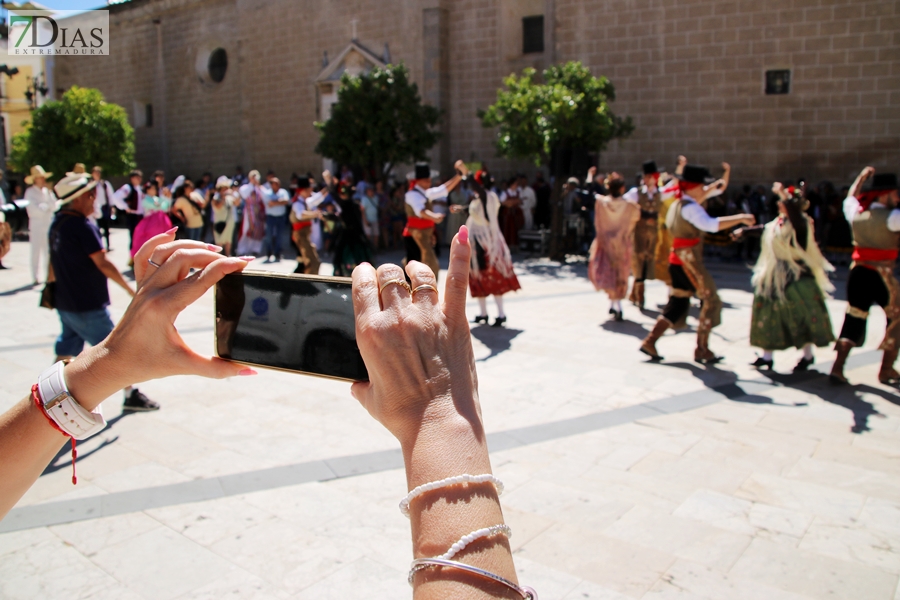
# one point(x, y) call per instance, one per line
point(781, 260)
point(485, 229)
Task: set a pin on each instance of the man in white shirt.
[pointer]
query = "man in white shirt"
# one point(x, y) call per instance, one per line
point(41, 208)
point(104, 203)
point(529, 201)
point(688, 221)
point(872, 212)
point(130, 199)
point(277, 201)
point(420, 218)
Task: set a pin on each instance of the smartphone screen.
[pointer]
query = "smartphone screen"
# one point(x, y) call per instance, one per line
point(299, 323)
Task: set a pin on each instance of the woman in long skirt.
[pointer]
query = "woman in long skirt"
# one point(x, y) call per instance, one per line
point(790, 284)
point(610, 259)
point(491, 272)
point(156, 216)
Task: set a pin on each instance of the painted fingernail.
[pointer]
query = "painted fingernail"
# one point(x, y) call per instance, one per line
point(247, 372)
point(247, 258)
point(365, 264)
point(214, 248)
point(173, 230)
point(463, 235)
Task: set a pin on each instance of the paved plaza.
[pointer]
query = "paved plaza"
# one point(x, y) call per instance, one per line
point(624, 479)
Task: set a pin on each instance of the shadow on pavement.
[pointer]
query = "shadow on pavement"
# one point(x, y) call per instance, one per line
point(627, 327)
point(23, 288)
point(497, 339)
point(722, 382)
point(63, 458)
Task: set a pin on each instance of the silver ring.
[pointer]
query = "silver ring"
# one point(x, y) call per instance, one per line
point(153, 264)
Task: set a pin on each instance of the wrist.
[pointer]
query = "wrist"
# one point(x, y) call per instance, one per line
point(445, 447)
point(95, 375)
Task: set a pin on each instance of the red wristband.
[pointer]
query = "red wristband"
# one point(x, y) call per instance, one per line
point(36, 396)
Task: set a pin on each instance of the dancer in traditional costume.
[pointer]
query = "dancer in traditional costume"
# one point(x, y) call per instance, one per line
point(874, 218)
point(790, 283)
point(156, 216)
point(491, 273)
point(304, 213)
point(646, 231)
point(420, 218)
point(253, 228)
point(609, 264)
point(668, 194)
point(688, 221)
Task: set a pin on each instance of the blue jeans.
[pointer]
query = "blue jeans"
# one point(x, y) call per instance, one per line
point(274, 228)
point(194, 233)
point(91, 326)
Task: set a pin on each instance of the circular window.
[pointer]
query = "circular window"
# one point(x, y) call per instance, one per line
point(217, 65)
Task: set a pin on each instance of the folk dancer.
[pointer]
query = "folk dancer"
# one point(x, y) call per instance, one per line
point(610, 257)
point(688, 221)
point(491, 272)
point(790, 283)
point(512, 219)
point(669, 193)
point(130, 199)
point(253, 229)
point(304, 213)
point(646, 231)
point(420, 219)
point(874, 219)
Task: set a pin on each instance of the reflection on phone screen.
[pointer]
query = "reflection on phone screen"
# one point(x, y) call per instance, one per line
point(288, 322)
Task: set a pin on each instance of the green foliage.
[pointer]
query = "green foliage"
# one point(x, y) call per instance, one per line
point(379, 121)
point(81, 127)
point(569, 110)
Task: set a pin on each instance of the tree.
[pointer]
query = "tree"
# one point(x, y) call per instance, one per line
point(81, 127)
point(547, 122)
point(379, 121)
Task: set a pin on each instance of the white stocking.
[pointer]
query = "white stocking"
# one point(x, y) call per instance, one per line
point(482, 303)
point(808, 351)
point(499, 301)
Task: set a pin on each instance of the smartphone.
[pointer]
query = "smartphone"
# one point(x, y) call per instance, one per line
point(299, 323)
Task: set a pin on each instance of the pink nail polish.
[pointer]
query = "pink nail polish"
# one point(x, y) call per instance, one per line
point(463, 235)
point(365, 264)
point(247, 372)
point(247, 258)
point(214, 248)
point(173, 230)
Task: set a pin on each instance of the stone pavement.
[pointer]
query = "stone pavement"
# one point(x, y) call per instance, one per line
point(624, 479)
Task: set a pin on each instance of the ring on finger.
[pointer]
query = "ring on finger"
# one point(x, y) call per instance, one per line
point(153, 264)
point(423, 287)
point(396, 281)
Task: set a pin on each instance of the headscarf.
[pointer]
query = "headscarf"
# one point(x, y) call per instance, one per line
point(485, 229)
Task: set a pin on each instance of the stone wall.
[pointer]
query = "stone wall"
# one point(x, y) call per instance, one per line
point(690, 73)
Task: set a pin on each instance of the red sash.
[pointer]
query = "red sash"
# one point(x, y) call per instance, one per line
point(873, 255)
point(679, 243)
point(301, 225)
point(417, 223)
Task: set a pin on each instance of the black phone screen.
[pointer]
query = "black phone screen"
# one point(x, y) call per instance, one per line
point(293, 322)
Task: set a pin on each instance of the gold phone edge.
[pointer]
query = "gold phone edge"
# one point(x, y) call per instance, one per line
point(325, 278)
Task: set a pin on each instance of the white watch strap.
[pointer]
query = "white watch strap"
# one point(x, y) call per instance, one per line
point(71, 417)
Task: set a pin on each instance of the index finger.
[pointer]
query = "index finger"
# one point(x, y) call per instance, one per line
point(146, 251)
point(365, 292)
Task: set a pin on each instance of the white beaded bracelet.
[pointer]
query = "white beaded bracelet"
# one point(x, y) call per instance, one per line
point(455, 480)
point(467, 539)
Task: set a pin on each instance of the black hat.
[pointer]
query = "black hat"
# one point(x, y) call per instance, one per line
point(423, 171)
point(696, 174)
point(881, 182)
point(302, 183)
point(650, 167)
point(347, 189)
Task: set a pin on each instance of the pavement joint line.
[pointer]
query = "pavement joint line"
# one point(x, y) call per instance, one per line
point(197, 490)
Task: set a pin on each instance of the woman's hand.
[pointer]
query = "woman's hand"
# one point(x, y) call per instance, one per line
point(418, 350)
point(145, 344)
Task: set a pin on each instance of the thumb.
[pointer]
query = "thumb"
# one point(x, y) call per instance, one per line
point(214, 367)
point(362, 391)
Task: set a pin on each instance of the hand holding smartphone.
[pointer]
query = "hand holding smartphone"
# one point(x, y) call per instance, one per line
point(299, 323)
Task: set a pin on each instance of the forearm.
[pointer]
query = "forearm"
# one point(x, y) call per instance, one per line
point(452, 183)
point(441, 517)
point(729, 222)
point(431, 216)
point(110, 270)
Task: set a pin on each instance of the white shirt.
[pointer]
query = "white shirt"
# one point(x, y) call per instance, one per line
point(277, 210)
point(632, 194)
point(851, 209)
point(41, 206)
point(416, 197)
point(695, 214)
point(529, 198)
point(120, 199)
point(105, 193)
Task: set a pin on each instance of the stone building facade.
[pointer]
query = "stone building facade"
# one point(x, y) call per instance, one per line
point(692, 74)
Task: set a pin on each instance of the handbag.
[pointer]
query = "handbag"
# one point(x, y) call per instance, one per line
point(48, 294)
point(220, 226)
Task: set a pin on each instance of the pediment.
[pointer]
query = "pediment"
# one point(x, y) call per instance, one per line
point(355, 59)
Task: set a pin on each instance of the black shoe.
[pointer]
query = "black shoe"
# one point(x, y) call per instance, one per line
point(138, 402)
point(499, 321)
point(481, 319)
point(760, 362)
point(612, 311)
point(804, 364)
point(618, 316)
point(2, 268)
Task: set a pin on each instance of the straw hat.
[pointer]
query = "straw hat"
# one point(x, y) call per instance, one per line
point(79, 169)
point(223, 182)
point(37, 171)
point(72, 186)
